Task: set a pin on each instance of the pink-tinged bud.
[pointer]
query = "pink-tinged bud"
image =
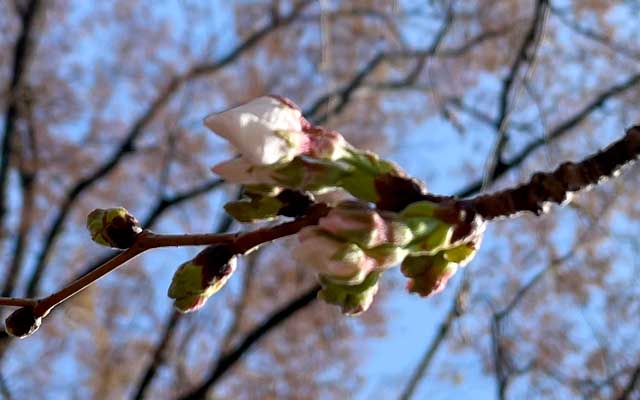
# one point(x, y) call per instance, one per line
point(352, 299)
point(238, 170)
point(113, 227)
point(387, 255)
point(266, 130)
point(356, 222)
point(332, 257)
point(428, 275)
point(200, 278)
point(325, 144)
point(359, 223)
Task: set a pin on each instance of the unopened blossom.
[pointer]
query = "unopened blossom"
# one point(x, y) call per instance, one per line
point(113, 227)
point(352, 299)
point(200, 278)
point(265, 130)
point(357, 222)
point(332, 257)
point(428, 275)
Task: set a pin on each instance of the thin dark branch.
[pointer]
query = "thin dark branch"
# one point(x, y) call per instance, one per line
point(561, 130)
point(28, 175)
point(526, 56)
point(344, 94)
point(630, 387)
point(158, 355)
point(601, 39)
point(456, 310)
point(230, 358)
point(22, 53)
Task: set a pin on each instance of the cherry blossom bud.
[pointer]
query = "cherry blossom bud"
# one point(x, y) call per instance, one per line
point(22, 323)
point(325, 144)
point(238, 170)
point(200, 278)
point(113, 227)
point(266, 130)
point(352, 299)
point(387, 255)
point(359, 223)
point(332, 257)
point(428, 274)
point(310, 174)
point(437, 239)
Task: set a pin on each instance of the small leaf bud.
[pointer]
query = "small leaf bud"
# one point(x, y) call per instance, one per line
point(113, 227)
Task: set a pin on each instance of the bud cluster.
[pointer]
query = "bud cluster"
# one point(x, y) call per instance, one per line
point(279, 148)
point(351, 246)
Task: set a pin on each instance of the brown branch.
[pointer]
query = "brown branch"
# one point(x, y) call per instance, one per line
point(22, 52)
point(557, 186)
point(239, 244)
point(128, 144)
point(345, 94)
point(456, 310)
point(158, 355)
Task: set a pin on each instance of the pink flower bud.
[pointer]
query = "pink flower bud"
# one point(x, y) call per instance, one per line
point(266, 130)
point(332, 257)
point(238, 170)
point(428, 275)
point(359, 223)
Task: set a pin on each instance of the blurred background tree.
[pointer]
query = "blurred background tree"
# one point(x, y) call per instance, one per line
point(102, 104)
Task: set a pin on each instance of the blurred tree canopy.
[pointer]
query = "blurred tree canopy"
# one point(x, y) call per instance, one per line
point(102, 104)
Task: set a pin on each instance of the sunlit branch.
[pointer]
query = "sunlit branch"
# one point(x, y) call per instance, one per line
point(557, 186)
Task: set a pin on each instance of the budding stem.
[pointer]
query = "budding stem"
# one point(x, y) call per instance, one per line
point(147, 240)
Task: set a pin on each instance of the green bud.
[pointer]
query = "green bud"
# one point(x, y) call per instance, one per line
point(461, 254)
point(200, 278)
point(255, 209)
point(309, 174)
point(387, 255)
point(439, 238)
point(22, 323)
point(352, 299)
point(113, 227)
point(420, 209)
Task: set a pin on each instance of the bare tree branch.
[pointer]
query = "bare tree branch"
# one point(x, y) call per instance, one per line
point(230, 358)
point(456, 310)
point(22, 53)
point(561, 130)
point(526, 56)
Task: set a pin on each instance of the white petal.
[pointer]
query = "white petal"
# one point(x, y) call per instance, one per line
point(256, 129)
